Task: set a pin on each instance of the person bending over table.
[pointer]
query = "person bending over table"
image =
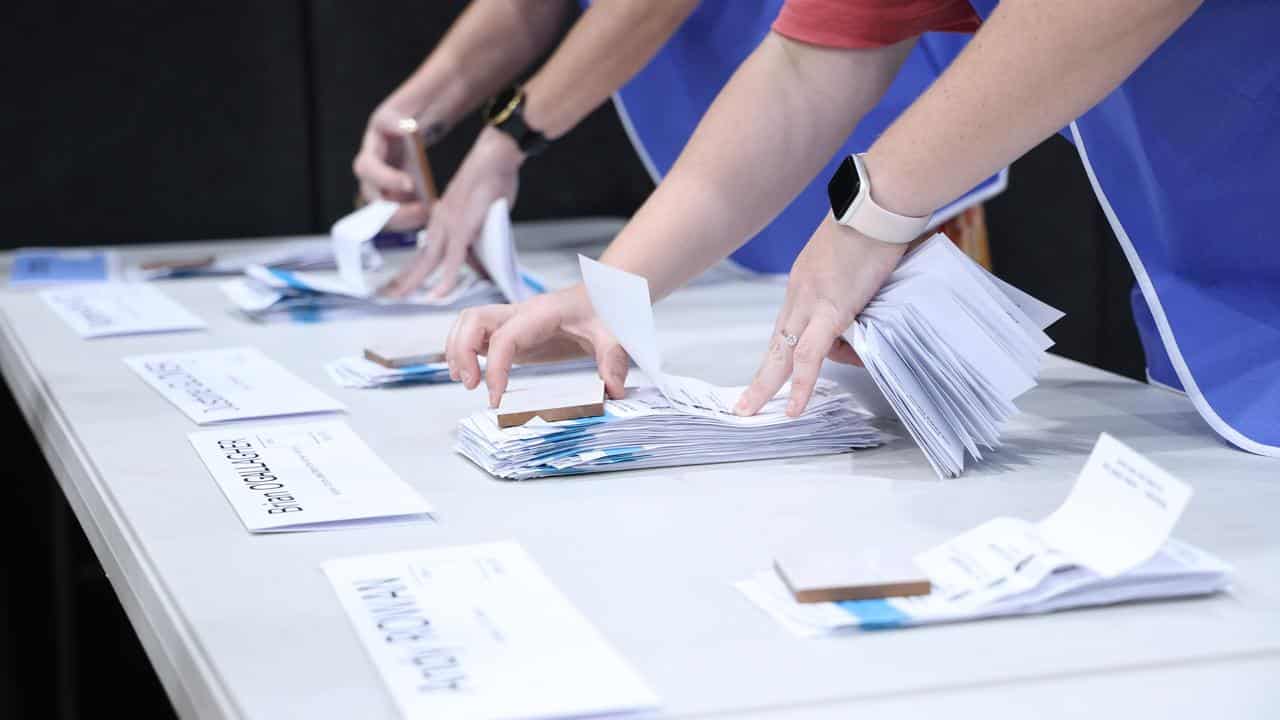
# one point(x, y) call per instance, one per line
point(485, 50)
point(1176, 108)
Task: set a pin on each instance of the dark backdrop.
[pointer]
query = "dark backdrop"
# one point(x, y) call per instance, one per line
point(130, 121)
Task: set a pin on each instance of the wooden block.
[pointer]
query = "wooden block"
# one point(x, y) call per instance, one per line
point(415, 149)
point(835, 576)
point(565, 400)
point(401, 358)
point(189, 264)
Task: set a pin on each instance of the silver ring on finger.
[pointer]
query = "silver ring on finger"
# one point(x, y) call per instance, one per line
point(789, 340)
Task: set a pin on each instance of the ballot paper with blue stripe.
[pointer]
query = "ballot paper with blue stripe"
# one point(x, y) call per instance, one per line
point(357, 372)
point(277, 293)
point(1108, 543)
point(674, 421)
point(951, 346)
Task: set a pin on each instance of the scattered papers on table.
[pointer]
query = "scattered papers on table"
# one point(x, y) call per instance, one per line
point(212, 386)
point(267, 293)
point(950, 345)
point(1108, 543)
point(357, 372)
point(480, 632)
point(311, 476)
point(55, 266)
point(294, 255)
point(118, 308)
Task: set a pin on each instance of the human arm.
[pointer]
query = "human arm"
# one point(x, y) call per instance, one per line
point(1032, 68)
point(605, 48)
point(773, 126)
point(485, 49)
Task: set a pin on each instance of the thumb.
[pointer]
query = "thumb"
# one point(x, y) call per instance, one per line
point(613, 364)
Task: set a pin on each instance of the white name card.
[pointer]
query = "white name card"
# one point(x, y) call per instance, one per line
point(479, 632)
point(312, 476)
point(212, 386)
point(119, 308)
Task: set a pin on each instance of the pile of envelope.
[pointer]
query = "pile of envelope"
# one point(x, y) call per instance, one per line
point(1109, 542)
point(357, 372)
point(673, 421)
point(276, 292)
point(647, 429)
point(950, 346)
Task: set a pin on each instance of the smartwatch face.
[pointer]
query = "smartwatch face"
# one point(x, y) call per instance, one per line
point(843, 187)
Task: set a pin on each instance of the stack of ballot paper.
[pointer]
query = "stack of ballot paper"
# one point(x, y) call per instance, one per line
point(274, 292)
point(676, 421)
point(950, 346)
point(358, 372)
point(1108, 543)
point(294, 255)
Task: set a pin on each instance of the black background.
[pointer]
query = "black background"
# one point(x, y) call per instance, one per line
point(148, 121)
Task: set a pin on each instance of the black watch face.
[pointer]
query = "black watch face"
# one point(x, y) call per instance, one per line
point(843, 187)
point(499, 103)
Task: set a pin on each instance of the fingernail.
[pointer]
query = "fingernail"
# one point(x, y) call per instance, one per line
point(466, 378)
point(407, 186)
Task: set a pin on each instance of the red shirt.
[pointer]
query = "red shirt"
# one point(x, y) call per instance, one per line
point(871, 23)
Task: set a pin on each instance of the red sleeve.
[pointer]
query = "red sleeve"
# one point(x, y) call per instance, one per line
point(871, 23)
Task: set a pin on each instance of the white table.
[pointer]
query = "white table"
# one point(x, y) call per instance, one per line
point(239, 625)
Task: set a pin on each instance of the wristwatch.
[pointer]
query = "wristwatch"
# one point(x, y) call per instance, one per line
point(506, 113)
point(852, 206)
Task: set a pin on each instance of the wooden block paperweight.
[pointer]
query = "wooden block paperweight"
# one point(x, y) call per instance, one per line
point(565, 400)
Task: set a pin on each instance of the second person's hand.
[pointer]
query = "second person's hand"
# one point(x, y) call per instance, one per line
point(554, 326)
point(489, 172)
point(834, 277)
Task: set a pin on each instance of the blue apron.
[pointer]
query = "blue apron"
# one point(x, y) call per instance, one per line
point(663, 103)
point(1185, 160)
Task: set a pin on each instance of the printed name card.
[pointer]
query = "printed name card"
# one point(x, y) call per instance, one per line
point(109, 309)
point(479, 632)
point(312, 476)
point(212, 386)
point(48, 266)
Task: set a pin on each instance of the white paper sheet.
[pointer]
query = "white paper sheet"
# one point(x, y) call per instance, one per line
point(1120, 512)
point(312, 476)
point(118, 308)
point(479, 632)
point(212, 386)
point(350, 234)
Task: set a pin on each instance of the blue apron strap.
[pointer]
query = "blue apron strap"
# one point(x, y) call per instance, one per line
point(662, 105)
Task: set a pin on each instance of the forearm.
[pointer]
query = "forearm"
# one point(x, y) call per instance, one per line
point(1035, 66)
point(484, 50)
point(780, 118)
point(609, 43)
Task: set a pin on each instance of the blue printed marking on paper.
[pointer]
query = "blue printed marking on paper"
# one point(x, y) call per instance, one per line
point(533, 284)
point(56, 266)
point(876, 614)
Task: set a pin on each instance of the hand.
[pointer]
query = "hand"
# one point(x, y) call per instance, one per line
point(554, 326)
point(834, 277)
point(490, 171)
point(379, 166)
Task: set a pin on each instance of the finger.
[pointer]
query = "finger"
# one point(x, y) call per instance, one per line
point(613, 364)
point(410, 216)
point(469, 340)
point(807, 360)
point(842, 352)
point(502, 351)
point(423, 264)
point(454, 255)
point(384, 178)
point(774, 371)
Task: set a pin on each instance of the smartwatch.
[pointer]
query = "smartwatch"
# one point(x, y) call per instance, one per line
point(506, 113)
point(852, 206)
